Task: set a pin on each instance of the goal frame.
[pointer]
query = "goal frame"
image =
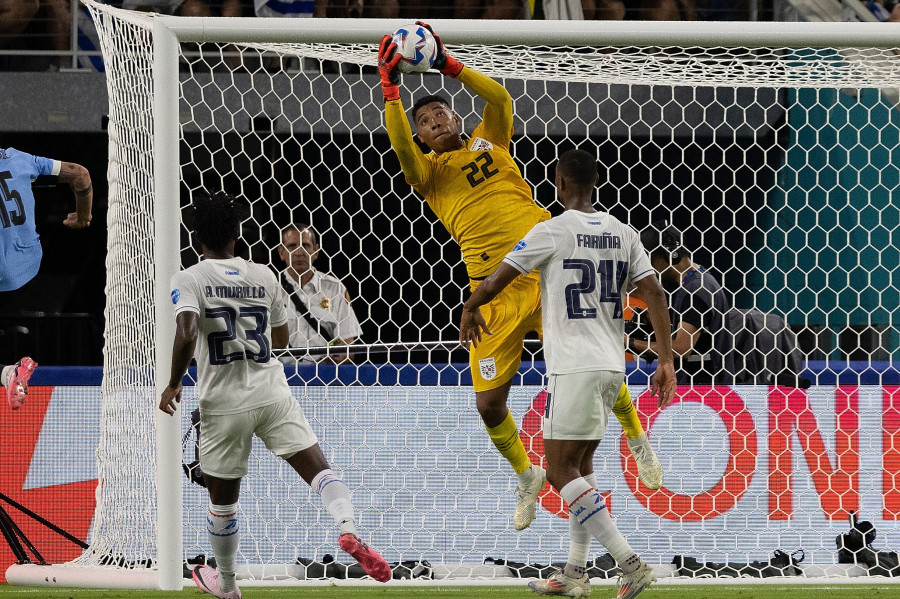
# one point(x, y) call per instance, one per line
point(168, 32)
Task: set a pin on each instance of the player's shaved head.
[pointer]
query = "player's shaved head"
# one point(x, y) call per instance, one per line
point(425, 101)
point(216, 218)
point(579, 168)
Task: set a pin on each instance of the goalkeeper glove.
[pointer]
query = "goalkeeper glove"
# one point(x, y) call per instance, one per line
point(388, 57)
point(443, 62)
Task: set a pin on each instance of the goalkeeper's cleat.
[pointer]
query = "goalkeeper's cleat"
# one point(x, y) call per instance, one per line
point(631, 585)
point(207, 579)
point(562, 586)
point(649, 469)
point(526, 497)
point(370, 560)
point(15, 377)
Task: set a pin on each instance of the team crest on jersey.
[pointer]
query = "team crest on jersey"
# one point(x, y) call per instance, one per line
point(175, 295)
point(488, 368)
point(479, 144)
point(520, 246)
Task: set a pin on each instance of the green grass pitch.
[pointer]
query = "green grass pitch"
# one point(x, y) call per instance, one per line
point(659, 591)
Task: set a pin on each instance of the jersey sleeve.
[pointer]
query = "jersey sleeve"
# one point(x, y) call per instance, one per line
point(639, 260)
point(347, 323)
point(46, 166)
point(413, 162)
point(185, 293)
point(497, 123)
point(534, 251)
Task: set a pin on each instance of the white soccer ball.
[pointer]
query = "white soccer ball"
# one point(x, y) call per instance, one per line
point(417, 47)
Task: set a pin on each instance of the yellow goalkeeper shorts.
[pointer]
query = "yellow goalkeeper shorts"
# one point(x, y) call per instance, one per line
point(510, 316)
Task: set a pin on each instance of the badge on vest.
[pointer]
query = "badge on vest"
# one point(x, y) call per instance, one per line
point(326, 303)
point(488, 368)
point(479, 144)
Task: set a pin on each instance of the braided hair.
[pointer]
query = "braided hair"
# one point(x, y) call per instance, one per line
point(216, 218)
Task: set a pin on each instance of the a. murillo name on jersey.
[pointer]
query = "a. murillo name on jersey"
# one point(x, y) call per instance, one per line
point(235, 291)
point(602, 242)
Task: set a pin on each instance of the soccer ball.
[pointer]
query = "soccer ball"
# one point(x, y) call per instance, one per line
point(417, 47)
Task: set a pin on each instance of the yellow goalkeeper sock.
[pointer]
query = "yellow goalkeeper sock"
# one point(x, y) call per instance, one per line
point(506, 437)
point(627, 414)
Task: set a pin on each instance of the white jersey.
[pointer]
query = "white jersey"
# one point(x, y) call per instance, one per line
point(238, 302)
point(326, 300)
point(587, 262)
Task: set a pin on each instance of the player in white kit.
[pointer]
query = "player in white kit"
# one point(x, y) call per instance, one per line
point(587, 261)
point(229, 314)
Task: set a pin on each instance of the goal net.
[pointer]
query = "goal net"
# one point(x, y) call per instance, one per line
point(777, 163)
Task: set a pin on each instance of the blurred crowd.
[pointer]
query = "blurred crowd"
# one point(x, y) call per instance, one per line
point(47, 25)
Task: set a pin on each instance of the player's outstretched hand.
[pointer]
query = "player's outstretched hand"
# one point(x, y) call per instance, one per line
point(664, 384)
point(171, 397)
point(73, 222)
point(388, 57)
point(471, 326)
point(443, 62)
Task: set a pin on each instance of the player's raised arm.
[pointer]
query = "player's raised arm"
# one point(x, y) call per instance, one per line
point(472, 323)
point(412, 161)
point(79, 179)
point(664, 381)
point(498, 112)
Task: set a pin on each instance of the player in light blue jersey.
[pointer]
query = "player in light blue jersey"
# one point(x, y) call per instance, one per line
point(20, 245)
point(229, 313)
point(588, 259)
point(19, 241)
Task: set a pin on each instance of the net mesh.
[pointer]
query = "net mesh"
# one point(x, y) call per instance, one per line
point(778, 164)
point(126, 450)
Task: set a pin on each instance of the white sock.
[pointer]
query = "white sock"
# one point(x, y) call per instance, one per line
point(527, 475)
point(336, 497)
point(222, 525)
point(579, 541)
point(587, 507)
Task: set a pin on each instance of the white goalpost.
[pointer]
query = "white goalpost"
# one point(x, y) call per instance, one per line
point(772, 145)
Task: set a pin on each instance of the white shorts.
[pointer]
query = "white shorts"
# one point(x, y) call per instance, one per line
point(578, 404)
point(225, 440)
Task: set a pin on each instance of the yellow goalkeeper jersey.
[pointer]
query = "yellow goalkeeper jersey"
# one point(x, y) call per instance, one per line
point(477, 192)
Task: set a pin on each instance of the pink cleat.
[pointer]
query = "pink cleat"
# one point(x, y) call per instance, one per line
point(370, 560)
point(15, 377)
point(208, 580)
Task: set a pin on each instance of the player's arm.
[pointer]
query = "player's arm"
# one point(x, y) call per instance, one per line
point(280, 336)
point(498, 112)
point(79, 179)
point(685, 338)
point(472, 322)
point(412, 161)
point(182, 352)
point(664, 382)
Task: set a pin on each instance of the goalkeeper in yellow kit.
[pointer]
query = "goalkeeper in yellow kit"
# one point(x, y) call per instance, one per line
point(478, 193)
